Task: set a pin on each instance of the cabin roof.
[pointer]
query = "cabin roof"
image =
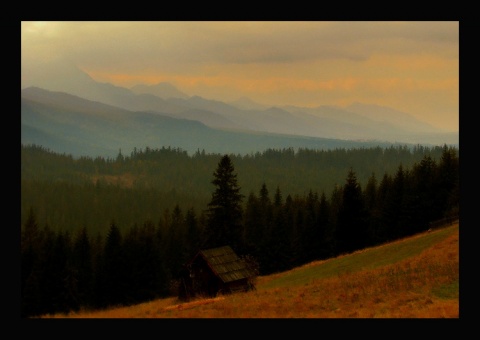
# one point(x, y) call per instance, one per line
point(225, 263)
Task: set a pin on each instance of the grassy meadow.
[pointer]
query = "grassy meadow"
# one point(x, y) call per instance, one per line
point(416, 277)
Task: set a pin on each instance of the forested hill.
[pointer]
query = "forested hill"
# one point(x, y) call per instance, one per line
point(110, 232)
point(70, 193)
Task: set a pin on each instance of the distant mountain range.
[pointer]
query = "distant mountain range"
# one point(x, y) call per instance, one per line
point(77, 113)
point(72, 125)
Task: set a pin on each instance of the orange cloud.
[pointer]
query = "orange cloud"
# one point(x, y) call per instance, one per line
point(267, 84)
point(414, 63)
point(125, 79)
point(273, 84)
point(411, 84)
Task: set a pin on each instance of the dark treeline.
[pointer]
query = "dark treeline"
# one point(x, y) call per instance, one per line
point(70, 193)
point(64, 270)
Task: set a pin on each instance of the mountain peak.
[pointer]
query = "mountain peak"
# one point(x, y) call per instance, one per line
point(163, 90)
point(245, 103)
point(384, 113)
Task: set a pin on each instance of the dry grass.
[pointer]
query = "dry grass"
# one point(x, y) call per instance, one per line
point(421, 286)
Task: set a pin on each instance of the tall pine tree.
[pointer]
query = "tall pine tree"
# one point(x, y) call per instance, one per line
point(224, 215)
point(352, 223)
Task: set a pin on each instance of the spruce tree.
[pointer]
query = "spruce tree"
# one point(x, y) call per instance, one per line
point(82, 263)
point(383, 231)
point(325, 229)
point(370, 197)
point(253, 235)
point(113, 273)
point(30, 271)
point(176, 252)
point(448, 182)
point(395, 203)
point(224, 215)
point(352, 223)
point(279, 239)
point(263, 224)
point(193, 232)
point(423, 194)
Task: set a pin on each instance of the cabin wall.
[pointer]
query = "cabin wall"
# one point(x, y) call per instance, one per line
point(198, 279)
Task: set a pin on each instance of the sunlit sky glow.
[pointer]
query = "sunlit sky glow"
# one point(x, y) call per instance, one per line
point(412, 66)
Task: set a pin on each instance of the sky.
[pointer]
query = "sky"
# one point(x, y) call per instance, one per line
point(411, 66)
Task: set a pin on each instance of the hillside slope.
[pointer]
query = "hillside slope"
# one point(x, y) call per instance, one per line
point(416, 277)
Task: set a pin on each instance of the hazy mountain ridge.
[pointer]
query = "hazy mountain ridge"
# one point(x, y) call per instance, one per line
point(354, 122)
point(163, 90)
point(245, 103)
point(209, 118)
point(392, 116)
point(60, 121)
point(366, 120)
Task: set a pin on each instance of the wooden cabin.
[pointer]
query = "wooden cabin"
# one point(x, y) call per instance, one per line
point(214, 271)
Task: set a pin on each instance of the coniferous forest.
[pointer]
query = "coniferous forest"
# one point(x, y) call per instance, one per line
point(101, 232)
